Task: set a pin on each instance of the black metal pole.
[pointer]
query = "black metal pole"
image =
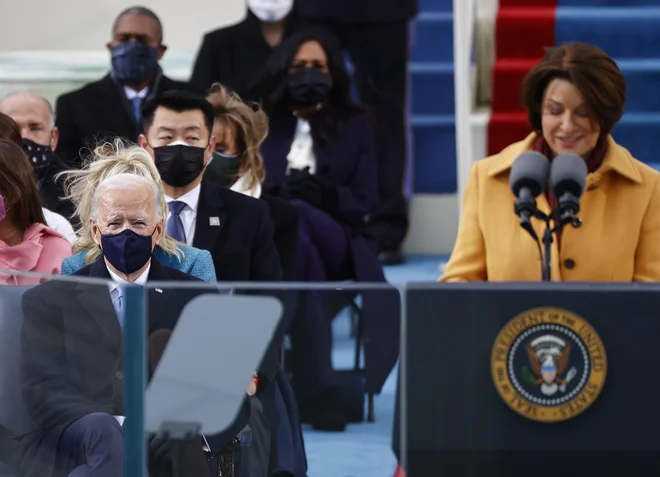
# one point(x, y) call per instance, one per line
point(547, 251)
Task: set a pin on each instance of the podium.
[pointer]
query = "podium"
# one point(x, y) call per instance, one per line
point(509, 379)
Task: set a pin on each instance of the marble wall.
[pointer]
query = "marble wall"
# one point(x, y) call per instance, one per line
point(52, 73)
point(47, 25)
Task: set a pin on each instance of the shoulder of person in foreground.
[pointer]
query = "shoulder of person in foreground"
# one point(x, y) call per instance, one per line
point(468, 258)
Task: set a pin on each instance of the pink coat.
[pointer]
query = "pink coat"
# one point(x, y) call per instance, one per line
point(42, 250)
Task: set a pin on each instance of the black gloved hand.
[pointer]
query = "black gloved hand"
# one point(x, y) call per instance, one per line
point(311, 189)
point(160, 449)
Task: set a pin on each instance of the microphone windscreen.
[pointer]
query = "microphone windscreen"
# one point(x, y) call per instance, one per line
point(568, 173)
point(157, 343)
point(530, 170)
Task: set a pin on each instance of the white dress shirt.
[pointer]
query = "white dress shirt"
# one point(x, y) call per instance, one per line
point(241, 186)
point(116, 294)
point(131, 93)
point(301, 154)
point(189, 213)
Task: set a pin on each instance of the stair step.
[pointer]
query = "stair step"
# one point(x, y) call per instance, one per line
point(524, 32)
point(505, 129)
point(507, 80)
point(638, 133)
point(606, 3)
point(642, 76)
point(623, 32)
point(434, 37)
point(434, 150)
point(436, 5)
point(528, 3)
point(432, 88)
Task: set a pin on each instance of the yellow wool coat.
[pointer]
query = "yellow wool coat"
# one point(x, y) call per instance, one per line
point(618, 241)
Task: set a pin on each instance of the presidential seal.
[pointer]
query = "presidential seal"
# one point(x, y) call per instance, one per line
point(548, 364)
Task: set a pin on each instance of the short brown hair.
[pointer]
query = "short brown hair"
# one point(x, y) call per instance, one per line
point(9, 130)
point(250, 125)
point(18, 186)
point(594, 73)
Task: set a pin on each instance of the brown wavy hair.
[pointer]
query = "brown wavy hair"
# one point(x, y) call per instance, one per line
point(593, 72)
point(18, 186)
point(250, 124)
point(9, 130)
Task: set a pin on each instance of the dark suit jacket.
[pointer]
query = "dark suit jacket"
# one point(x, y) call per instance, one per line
point(241, 246)
point(285, 219)
point(359, 10)
point(234, 55)
point(99, 111)
point(72, 357)
point(286, 222)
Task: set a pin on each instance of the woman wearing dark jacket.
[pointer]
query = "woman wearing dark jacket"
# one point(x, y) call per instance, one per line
point(239, 130)
point(234, 55)
point(320, 155)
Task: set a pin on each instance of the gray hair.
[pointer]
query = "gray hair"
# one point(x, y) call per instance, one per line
point(126, 181)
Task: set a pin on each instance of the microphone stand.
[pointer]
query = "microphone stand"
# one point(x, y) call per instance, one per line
point(560, 218)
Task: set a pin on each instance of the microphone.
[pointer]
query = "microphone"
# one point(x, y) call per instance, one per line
point(157, 343)
point(568, 176)
point(527, 180)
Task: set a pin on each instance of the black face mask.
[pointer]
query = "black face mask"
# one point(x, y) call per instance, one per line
point(307, 86)
point(223, 169)
point(179, 164)
point(40, 157)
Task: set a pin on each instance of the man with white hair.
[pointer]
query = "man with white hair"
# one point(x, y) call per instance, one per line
point(35, 118)
point(72, 361)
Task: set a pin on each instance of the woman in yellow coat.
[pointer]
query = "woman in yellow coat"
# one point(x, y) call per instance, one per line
point(574, 97)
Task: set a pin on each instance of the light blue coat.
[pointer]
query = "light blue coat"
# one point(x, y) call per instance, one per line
point(195, 262)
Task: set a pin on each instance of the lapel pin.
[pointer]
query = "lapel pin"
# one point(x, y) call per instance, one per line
point(158, 290)
point(214, 221)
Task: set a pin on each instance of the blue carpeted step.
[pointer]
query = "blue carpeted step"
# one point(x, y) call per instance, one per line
point(639, 134)
point(436, 5)
point(623, 32)
point(643, 78)
point(434, 150)
point(434, 37)
point(607, 3)
point(432, 88)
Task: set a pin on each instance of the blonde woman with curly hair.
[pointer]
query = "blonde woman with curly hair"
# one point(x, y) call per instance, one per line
point(239, 129)
point(107, 160)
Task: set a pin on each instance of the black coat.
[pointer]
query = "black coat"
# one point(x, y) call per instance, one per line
point(353, 11)
point(72, 357)
point(235, 55)
point(100, 111)
point(241, 246)
point(285, 219)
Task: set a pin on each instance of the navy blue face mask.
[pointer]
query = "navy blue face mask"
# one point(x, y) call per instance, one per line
point(127, 251)
point(134, 62)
